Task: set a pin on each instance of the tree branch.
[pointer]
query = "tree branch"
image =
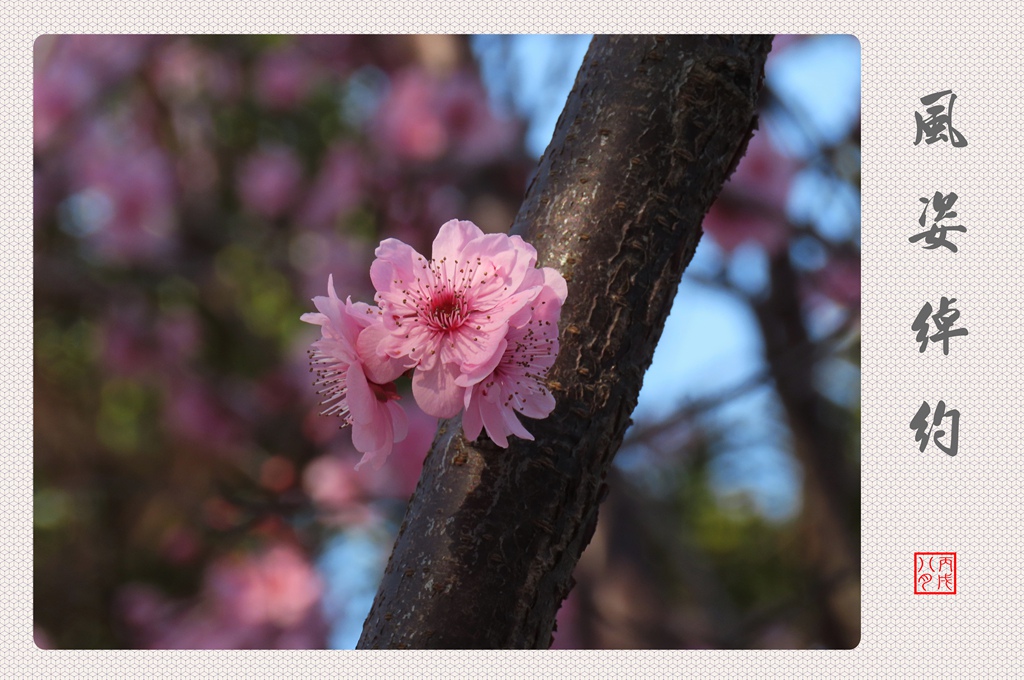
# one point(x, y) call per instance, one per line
point(651, 129)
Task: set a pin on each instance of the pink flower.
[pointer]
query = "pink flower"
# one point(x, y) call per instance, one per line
point(450, 315)
point(423, 118)
point(72, 71)
point(358, 382)
point(516, 382)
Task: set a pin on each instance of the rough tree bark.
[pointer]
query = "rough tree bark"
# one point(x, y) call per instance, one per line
point(650, 131)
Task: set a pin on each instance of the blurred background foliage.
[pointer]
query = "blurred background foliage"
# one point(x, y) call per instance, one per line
point(193, 193)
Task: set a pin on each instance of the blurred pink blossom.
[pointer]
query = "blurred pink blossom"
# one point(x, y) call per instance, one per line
point(178, 69)
point(332, 52)
point(478, 136)
point(282, 79)
point(337, 489)
point(408, 122)
point(265, 600)
point(337, 189)
point(269, 180)
point(194, 412)
point(60, 90)
point(131, 344)
point(125, 194)
point(751, 207)
point(183, 70)
point(111, 57)
point(70, 70)
point(277, 586)
point(422, 119)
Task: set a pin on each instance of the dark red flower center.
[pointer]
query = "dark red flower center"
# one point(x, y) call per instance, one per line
point(447, 310)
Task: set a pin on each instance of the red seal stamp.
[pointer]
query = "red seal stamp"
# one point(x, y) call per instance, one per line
point(935, 573)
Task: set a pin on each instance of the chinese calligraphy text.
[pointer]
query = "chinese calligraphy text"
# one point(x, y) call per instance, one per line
point(938, 121)
point(943, 319)
point(936, 235)
point(925, 429)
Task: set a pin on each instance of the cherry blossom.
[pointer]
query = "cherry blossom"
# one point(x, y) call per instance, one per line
point(516, 382)
point(452, 312)
point(357, 382)
point(477, 324)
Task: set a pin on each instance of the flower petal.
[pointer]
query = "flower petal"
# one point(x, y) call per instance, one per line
point(362, 404)
point(514, 426)
point(452, 238)
point(490, 412)
point(397, 264)
point(379, 367)
point(526, 259)
point(372, 438)
point(314, 318)
point(399, 421)
point(474, 373)
point(436, 392)
point(375, 443)
point(472, 423)
point(538, 405)
point(556, 282)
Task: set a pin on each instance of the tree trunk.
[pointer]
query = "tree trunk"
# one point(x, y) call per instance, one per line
point(651, 129)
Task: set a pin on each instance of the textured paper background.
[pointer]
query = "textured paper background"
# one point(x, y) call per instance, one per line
point(912, 501)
